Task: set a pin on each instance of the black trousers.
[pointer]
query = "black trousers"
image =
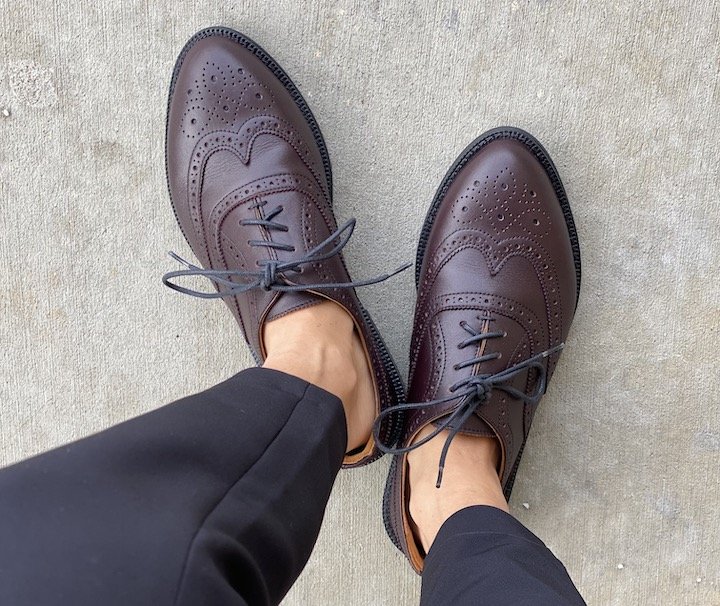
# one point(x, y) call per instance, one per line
point(217, 499)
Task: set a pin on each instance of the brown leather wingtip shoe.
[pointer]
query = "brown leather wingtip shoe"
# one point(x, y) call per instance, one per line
point(498, 278)
point(251, 185)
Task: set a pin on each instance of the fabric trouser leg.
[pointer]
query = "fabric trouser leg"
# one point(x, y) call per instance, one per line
point(214, 499)
point(483, 555)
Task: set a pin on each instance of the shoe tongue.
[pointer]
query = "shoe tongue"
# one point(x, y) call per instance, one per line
point(295, 206)
point(451, 321)
point(288, 302)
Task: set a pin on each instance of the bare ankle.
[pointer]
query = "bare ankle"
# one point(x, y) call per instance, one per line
point(319, 344)
point(314, 344)
point(470, 478)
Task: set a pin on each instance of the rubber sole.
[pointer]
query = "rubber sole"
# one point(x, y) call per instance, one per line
point(536, 148)
point(390, 432)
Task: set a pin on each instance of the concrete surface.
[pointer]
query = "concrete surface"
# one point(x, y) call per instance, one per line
point(621, 472)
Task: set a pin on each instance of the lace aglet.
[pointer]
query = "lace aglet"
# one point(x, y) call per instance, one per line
point(441, 463)
point(551, 351)
point(402, 268)
point(180, 260)
point(439, 476)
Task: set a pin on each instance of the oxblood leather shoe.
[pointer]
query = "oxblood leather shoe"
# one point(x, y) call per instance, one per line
point(251, 186)
point(498, 276)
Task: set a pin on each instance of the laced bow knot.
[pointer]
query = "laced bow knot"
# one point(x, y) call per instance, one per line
point(482, 390)
point(470, 393)
point(269, 276)
point(273, 275)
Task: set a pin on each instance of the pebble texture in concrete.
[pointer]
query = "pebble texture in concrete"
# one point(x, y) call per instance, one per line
point(620, 477)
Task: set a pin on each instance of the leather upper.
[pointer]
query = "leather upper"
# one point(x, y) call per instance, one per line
point(498, 257)
point(236, 138)
point(249, 183)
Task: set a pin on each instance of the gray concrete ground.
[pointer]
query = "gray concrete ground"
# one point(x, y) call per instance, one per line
point(621, 472)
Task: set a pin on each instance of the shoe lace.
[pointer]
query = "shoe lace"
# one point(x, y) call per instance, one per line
point(273, 273)
point(471, 393)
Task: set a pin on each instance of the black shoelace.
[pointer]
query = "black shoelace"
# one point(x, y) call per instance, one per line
point(471, 393)
point(273, 274)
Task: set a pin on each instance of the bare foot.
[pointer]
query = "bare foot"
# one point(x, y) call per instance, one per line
point(469, 478)
point(320, 345)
